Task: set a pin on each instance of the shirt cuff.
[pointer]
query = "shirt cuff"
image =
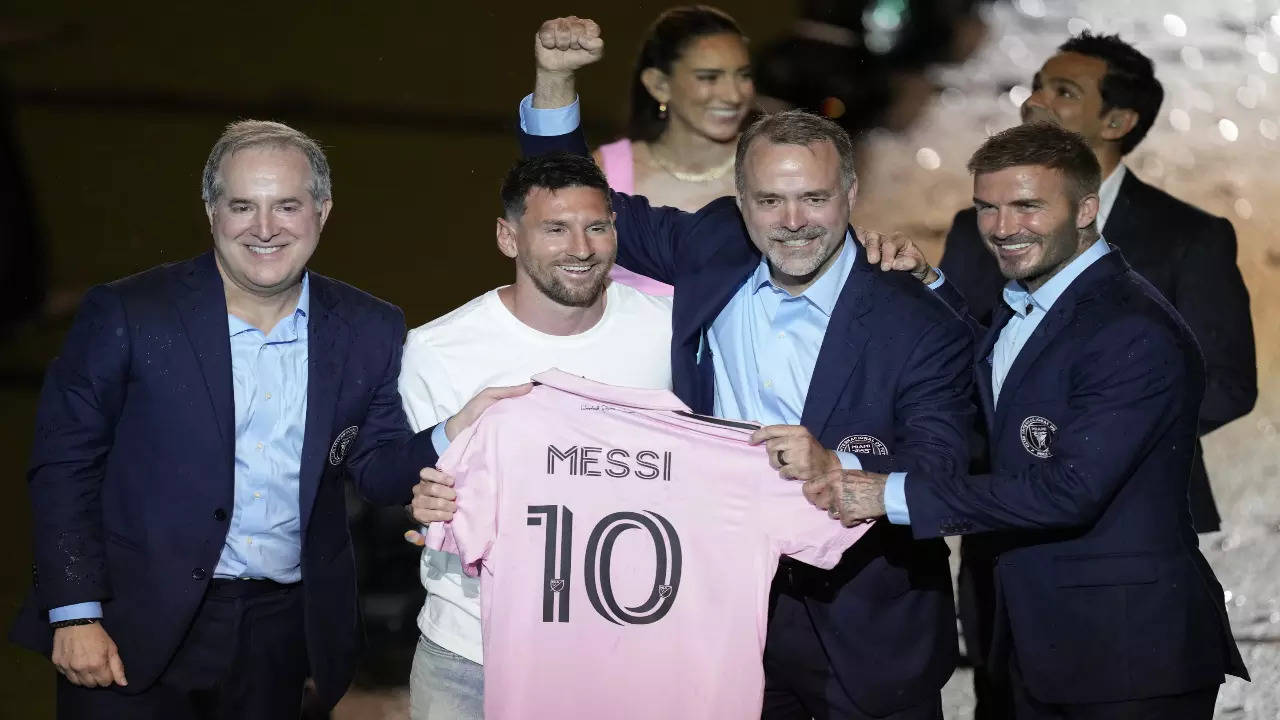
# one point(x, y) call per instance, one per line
point(941, 279)
point(549, 121)
point(849, 461)
point(895, 499)
point(79, 611)
point(439, 440)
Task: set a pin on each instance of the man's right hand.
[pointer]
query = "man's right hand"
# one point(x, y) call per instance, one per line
point(86, 656)
point(560, 47)
point(434, 499)
point(478, 404)
point(565, 44)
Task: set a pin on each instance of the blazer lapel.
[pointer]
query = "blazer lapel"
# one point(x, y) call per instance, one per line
point(328, 342)
point(202, 307)
point(982, 363)
point(842, 347)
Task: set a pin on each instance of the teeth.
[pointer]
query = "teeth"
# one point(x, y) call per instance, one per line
point(264, 250)
point(1016, 246)
point(795, 243)
point(574, 268)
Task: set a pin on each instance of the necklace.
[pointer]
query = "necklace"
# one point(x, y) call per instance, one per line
point(714, 173)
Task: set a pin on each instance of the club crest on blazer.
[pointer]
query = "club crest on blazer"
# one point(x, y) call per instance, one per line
point(341, 444)
point(1037, 435)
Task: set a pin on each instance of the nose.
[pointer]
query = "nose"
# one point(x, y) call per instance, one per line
point(578, 246)
point(264, 224)
point(1034, 101)
point(731, 90)
point(1006, 223)
point(794, 217)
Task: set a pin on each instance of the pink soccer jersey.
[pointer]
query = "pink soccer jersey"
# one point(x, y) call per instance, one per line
point(625, 548)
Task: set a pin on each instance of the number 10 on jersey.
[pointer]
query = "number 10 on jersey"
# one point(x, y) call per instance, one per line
point(557, 523)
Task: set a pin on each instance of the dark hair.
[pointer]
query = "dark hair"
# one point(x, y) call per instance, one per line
point(667, 39)
point(553, 171)
point(1130, 81)
point(796, 127)
point(1046, 145)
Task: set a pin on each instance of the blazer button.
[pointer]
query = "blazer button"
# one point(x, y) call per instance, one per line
point(219, 514)
point(198, 574)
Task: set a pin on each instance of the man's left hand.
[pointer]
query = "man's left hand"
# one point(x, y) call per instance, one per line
point(850, 496)
point(794, 452)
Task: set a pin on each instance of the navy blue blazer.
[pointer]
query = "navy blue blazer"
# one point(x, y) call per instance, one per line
point(1190, 257)
point(132, 473)
point(1101, 588)
point(896, 366)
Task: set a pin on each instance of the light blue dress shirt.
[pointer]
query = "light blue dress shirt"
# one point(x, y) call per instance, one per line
point(1029, 308)
point(269, 382)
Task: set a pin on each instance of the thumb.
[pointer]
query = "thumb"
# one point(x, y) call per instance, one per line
point(512, 391)
point(117, 667)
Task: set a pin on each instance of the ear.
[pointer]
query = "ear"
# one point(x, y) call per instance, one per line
point(325, 207)
point(1086, 211)
point(208, 212)
point(506, 233)
point(657, 83)
point(853, 194)
point(1117, 122)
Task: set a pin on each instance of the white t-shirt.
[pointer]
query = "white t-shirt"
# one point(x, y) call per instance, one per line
point(481, 344)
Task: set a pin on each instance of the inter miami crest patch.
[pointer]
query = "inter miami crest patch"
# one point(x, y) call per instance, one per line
point(863, 444)
point(1037, 436)
point(341, 444)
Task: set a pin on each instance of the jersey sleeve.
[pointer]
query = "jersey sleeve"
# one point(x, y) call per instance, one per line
point(798, 528)
point(471, 461)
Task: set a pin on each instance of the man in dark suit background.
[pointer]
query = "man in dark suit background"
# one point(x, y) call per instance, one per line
point(1091, 386)
point(779, 318)
point(1105, 90)
point(192, 441)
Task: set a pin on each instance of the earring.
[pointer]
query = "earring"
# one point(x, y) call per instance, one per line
point(662, 111)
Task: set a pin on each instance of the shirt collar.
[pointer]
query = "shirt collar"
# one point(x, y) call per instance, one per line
point(825, 291)
point(1107, 194)
point(237, 326)
point(1019, 299)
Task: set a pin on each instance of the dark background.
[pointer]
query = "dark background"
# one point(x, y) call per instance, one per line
point(114, 107)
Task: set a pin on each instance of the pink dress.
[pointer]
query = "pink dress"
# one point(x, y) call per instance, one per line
point(616, 160)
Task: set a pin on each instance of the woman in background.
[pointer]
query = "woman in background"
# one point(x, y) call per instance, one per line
point(691, 93)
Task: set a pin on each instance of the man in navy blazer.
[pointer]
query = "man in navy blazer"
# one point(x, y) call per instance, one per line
point(778, 317)
point(192, 557)
point(1104, 89)
point(1091, 386)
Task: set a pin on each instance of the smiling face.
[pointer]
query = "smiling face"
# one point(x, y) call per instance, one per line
point(709, 89)
point(1029, 222)
point(796, 208)
point(265, 224)
point(564, 244)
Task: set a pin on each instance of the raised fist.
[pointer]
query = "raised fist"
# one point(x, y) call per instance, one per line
point(566, 44)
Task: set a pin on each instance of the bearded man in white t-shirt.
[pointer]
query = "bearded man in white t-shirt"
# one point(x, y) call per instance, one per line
point(561, 312)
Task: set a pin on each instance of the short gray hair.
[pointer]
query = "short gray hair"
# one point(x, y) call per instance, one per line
point(244, 134)
point(796, 127)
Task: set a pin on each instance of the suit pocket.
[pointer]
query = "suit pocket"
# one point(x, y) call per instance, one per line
point(123, 542)
point(1104, 570)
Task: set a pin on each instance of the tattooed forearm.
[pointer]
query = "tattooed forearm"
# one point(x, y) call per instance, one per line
point(861, 495)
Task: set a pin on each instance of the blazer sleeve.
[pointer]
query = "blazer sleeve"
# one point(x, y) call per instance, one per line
point(933, 410)
point(386, 455)
point(1114, 395)
point(80, 405)
point(1211, 297)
